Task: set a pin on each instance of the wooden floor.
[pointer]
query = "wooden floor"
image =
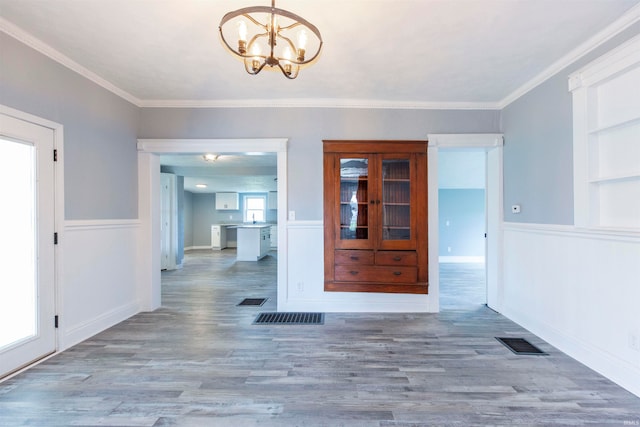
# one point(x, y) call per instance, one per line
point(198, 361)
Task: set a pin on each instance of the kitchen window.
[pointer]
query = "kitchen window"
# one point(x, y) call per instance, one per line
point(254, 208)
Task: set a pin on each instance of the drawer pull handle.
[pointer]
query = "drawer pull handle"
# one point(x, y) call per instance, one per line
point(355, 258)
point(397, 273)
point(397, 258)
point(353, 272)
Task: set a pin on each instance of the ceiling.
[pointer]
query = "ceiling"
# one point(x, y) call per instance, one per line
point(394, 53)
point(235, 172)
point(377, 53)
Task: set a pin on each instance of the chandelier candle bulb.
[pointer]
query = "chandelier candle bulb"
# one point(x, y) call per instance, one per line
point(242, 37)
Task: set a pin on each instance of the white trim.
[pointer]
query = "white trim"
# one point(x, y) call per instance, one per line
point(433, 244)
point(58, 170)
point(84, 330)
point(40, 46)
point(92, 224)
point(195, 248)
point(625, 21)
point(318, 103)
point(466, 140)
point(493, 144)
point(584, 84)
point(555, 289)
point(617, 235)
point(304, 224)
point(160, 146)
point(148, 207)
point(613, 62)
point(629, 18)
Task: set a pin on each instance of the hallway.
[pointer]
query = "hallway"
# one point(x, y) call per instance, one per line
point(198, 361)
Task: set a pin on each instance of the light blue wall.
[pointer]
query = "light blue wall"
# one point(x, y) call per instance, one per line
point(538, 147)
point(306, 128)
point(462, 222)
point(461, 202)
point(100, 130)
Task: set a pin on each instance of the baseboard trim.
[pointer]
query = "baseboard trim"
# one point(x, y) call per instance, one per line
point(619, 371)
point(195, 248)
point(78, 333)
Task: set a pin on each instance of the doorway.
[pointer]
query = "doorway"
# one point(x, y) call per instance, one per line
point(491, 145)
point(462, 218)
point(27, 224)
point(149, 152)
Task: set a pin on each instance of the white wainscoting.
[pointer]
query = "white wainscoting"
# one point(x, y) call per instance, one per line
point(579, 290)
point(97, 277)
point(305, 290)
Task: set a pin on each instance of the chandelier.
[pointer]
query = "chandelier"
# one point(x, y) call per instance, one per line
point(263, 35)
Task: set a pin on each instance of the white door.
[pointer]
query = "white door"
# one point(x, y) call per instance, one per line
point(27, 297)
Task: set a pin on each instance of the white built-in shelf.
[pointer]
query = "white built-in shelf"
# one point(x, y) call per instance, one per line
point(613, 126)
point(615, 178)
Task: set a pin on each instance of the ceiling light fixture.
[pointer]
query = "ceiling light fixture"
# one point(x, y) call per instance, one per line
point(201, 185)
point(265, 36)
point(210, 157)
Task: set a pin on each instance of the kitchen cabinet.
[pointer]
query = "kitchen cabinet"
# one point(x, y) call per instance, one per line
point(218, 237)
point(273, 200)
point(375, 216)
point(254, 242)
point(227, 201)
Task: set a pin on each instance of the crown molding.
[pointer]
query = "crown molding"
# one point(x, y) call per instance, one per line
point(625, 21)
point(319, 103)
point(40, 46)
point(629, 18)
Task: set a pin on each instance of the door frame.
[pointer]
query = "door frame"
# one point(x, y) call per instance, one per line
point(169, 235)
point(58, 211)
point(492, 144)
point(149, 150)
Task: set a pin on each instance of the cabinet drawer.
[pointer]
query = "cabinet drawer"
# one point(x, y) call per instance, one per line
point(354, 273)
point(354, 257)
point(396, 258)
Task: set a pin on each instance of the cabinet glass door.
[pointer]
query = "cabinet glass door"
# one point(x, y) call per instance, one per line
point(354, 199)
point(396, 199)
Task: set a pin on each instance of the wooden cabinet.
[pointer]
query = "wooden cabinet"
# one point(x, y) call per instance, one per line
point(375, 216)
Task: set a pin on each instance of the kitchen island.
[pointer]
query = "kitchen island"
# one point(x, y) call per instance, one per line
point(254, 241)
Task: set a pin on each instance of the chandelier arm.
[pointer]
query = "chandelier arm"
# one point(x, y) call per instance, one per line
point(289, 27)
point(250, 18)
point(300, 20)
point(290, 76)
point(250, 70)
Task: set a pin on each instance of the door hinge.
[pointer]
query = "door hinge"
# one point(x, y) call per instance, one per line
point(55, 155)
point(485, 235)
point(55, 321)
point(55, 238)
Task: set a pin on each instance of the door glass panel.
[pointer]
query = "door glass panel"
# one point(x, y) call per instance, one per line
point(396, 199)
point(18, 293)
point(354, 199)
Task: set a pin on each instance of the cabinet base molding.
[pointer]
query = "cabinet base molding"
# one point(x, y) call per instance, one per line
point(413, 288)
